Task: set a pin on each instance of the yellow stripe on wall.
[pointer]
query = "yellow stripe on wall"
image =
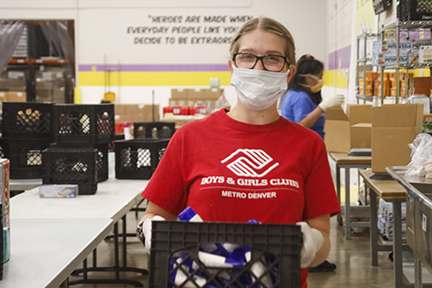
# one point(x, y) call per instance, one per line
point(153, 78)
point(336, 78)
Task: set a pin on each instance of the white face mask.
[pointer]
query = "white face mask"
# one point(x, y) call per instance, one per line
point(315, 88)
point(258, 89)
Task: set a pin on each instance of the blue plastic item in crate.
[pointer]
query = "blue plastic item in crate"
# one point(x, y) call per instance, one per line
point(153, 130)
point(27, 120)
point(81, 123)
point(71, 166)
point(276, 247)
point(138, 158)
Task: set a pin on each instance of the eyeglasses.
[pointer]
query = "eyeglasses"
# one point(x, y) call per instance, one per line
point(274, 63)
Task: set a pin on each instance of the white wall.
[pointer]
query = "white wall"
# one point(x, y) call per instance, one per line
point(101, 33)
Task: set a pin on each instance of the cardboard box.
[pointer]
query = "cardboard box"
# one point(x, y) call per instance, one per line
point(361, 135)
point(427, 118)
point(3, 96)
point(213, 94)
point(16, 96)
point(420, 85)
point(59, 191)
point(397, 115)
point(178, 93)
point(339, 133)
point(394, 126)
point(146, 111)
point(136, 112)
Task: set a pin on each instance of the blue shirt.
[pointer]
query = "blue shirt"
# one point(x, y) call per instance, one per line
point(296, 105)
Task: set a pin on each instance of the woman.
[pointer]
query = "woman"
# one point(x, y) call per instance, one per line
point(302, 103)
point(205, 158)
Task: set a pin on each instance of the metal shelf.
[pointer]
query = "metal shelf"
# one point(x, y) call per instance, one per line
point(408, 25)
point(367, 35)
point(364, 60)
point(362, 97)
point(41, 61)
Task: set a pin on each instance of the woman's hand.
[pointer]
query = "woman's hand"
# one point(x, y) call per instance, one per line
point(332, 101)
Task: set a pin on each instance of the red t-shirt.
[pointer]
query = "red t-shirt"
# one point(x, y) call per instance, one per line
point(229, 171)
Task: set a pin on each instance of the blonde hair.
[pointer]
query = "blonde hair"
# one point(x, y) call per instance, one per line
point(268, 25)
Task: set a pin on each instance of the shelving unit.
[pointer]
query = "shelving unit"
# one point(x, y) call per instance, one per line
point(35, 55)
point(362, 64)
point(409, 25)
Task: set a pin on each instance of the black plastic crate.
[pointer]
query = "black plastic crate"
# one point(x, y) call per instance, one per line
point(138, 158)
point(25, 157)
point(71, 166)
point(153, 130)
point(27, 120)
point(417, 9)
point(280, 243)
point(102, 156)
point(79, 123)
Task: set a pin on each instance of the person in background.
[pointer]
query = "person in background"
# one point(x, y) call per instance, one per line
point(303, 104)
point(210, 164)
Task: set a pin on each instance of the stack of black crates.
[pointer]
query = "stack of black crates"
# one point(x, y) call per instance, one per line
point(27, 129)
point(414, 10)
point(82, 135)
point(138, 158)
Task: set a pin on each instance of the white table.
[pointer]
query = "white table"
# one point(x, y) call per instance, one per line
point(343, 161)
point(113, 199)
point(44, 252)
point(24, 184)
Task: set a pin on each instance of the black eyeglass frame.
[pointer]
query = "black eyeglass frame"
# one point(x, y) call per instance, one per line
point(262, 60)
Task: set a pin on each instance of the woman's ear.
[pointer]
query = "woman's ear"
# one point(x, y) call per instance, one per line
point(230, 66)
point(291, 73)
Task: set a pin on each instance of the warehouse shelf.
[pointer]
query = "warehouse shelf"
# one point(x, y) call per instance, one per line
point(40, 61)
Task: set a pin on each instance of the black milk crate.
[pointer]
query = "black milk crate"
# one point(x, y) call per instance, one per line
point(416, 10)
point(138, 158)
point(81, 123)
point(71, 166)
point(25, 157)
point(153, 130)
point(102, 156)
point(279, 242)
point(27, 120)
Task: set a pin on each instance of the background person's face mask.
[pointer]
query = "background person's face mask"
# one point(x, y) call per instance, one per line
point(315, 88)
point(258, 89)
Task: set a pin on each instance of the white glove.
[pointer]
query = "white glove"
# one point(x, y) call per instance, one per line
point(312, 243)
point(147, 230)
point(331, 101)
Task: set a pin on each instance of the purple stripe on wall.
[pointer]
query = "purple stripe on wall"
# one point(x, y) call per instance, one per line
point(340, 58)
point(156, 68)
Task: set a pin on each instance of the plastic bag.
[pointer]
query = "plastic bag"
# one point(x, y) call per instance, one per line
point(421, 156)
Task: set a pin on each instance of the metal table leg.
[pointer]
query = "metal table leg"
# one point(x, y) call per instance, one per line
point(397, 245)
point(417, 273)
point(116, 268)
point(347, 205)
point(338, 188)
point(373, 226)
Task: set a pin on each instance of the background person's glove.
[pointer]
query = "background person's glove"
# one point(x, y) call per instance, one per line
point(147, 230)
point(312, 243)
point(331, 101)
